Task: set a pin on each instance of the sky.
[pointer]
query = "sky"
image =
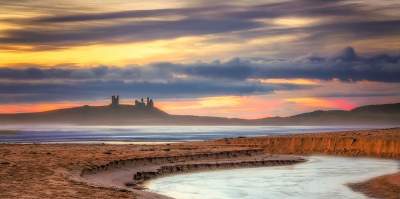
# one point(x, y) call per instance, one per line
point(244, 58)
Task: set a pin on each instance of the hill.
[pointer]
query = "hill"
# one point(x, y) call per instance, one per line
point(139, 114)
point(384, 114)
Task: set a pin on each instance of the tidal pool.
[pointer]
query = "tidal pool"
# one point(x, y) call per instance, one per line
point(321, 177)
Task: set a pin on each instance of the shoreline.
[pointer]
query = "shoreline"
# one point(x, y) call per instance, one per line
point(48, 170)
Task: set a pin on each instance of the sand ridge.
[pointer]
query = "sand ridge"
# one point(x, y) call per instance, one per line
point(130, 173)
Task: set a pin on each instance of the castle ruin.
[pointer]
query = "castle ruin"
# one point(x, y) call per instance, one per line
point(141, 104)
point(138, 104)
point(115, 101)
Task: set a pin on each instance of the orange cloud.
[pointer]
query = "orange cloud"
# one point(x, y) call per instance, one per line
point(297, 81)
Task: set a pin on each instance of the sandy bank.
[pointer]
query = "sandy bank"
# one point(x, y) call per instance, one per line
point(130, 173)
point(382, 143)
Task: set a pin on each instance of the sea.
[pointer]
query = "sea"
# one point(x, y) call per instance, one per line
point(147, 134)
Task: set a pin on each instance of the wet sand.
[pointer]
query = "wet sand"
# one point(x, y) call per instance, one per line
point(387, 186)
point(54, 170)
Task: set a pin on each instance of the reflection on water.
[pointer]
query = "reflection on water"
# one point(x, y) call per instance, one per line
point(320, 178)
point(61, 134)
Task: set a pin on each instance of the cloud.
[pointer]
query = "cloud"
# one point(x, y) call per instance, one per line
point(135, 31)
point(261, 10)
point(164, 80)
point(37, 92)
point(336, 19)
point(347, 65)
point(82, 17)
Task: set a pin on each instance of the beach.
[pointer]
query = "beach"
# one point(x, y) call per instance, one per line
point(58, 170)
point(387, 186)
point(177, 99)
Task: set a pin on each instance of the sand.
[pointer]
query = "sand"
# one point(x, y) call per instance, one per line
point(387, 186)
point(49, 170)
point(54, 170)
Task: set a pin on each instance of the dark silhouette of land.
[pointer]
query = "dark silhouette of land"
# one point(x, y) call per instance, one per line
point(144, 112)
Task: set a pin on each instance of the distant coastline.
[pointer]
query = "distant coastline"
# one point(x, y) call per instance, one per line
point(8, 132)
point(145, 112)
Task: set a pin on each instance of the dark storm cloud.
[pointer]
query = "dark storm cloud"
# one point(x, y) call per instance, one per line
point(340, 18)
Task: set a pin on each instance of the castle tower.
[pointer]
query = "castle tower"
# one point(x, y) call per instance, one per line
point(150, 103)
point(140, 104)
point(115, 101)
